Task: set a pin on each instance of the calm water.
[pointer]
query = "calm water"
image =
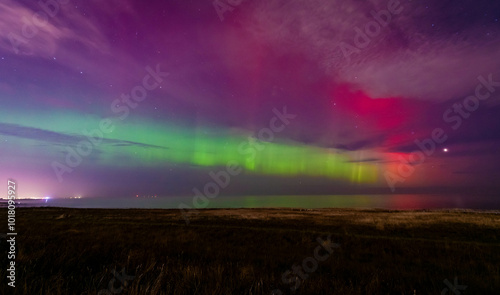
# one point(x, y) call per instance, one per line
point(403, 202)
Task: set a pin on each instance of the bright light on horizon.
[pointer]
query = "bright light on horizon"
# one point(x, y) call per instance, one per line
point(28, 198)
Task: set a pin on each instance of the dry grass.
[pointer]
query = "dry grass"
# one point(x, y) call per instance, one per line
point(245, 251)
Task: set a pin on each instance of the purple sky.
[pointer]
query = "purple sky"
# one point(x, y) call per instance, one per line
point(365, 81)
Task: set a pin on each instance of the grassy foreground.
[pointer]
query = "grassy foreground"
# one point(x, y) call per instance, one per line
point(247, 251)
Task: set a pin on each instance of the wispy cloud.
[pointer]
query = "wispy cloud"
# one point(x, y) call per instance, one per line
point(71, 34)
point(426, 52)
point(58, 138)
point(65, 26)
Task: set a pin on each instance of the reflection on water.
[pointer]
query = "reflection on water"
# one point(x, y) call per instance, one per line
point(403, 202)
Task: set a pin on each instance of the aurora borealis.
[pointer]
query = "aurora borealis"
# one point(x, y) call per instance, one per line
point(125, 98)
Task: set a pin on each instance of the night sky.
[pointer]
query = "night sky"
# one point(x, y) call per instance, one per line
point(125, 98)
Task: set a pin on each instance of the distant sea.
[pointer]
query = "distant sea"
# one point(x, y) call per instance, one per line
point(395, 202)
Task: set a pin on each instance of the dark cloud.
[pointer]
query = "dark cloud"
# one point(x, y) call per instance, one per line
point(58, 138)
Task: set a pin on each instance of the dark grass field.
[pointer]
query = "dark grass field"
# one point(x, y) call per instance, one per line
point(246, 251)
